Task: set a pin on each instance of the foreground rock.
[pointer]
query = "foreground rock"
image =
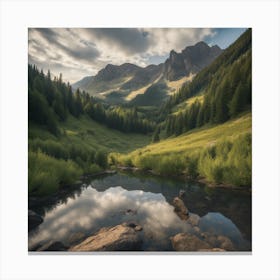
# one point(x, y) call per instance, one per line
point(33, 220)
point(188, 242)
point(53, 246)
point(124, 237)
point(218, 241)
point(193, 219)
point(180, 208)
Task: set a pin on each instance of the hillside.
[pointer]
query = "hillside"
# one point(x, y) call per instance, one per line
point(223, 90)
point(219, 153)
point(120, 84)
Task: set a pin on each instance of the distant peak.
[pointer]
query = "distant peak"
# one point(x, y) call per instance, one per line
point(216, 47)
point(201, 43)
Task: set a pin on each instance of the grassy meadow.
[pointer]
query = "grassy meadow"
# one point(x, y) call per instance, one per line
point(221, 154)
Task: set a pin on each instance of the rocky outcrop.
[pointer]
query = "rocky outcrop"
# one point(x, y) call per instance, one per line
point(33, 220)
point(218, 241)
point(188, 242)
point(128, 77)
point(124, 237)
point(180, 208)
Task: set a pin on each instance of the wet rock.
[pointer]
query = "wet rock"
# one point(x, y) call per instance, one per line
point(225, 243)
point(193, 219)
point(196, 229)
point(188, 242)
point(182, 193)
point(33, 220)
point(220, 241)
point(180, 208)
point(119, 238)
point(53, 246)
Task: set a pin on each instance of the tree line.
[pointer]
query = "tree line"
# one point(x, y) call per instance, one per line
point(52, 100)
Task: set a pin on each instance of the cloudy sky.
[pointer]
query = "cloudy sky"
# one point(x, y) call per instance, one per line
point(80, 52)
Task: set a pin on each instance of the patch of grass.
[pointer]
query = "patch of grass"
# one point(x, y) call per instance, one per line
point(221, 154)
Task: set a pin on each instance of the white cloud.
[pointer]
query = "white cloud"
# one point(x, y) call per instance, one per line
point(80, 52)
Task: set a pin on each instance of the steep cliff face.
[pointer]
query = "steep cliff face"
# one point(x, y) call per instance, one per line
point(191, 60)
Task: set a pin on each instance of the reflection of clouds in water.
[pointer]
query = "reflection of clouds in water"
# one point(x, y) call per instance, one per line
point(93, 210)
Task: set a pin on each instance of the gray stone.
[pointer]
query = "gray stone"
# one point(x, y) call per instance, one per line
point(188, 242)
point(119, 238)
point(180, 208)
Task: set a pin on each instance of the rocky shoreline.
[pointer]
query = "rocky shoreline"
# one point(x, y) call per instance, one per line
point(128, 236)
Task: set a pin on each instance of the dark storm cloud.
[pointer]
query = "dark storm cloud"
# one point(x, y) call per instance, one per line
point(130, 40)
point(81, 50)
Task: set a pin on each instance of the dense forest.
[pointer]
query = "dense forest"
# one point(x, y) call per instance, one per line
point(50, 101)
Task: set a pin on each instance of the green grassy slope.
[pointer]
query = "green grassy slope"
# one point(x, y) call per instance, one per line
point(81, 148)
point(225, 149)
point(90, 134)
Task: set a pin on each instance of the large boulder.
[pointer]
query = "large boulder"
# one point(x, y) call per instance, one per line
point(219, 241)
point(188, 242)
point(33, 220)
point(180, 208)
point(225, 243)
point(124, 237)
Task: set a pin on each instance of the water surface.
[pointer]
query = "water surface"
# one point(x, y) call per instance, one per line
point(114, 199)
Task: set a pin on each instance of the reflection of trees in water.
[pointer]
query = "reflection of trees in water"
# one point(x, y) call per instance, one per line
point(233, 204)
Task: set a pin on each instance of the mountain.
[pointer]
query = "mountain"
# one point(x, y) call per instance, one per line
point(123, 83)
point(191, 59)
point(219, 92)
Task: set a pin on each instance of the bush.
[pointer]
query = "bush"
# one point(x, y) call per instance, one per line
point(170, 165)
point(92, 169)
point(191, 166)
point(46, 174)
point(101, 159)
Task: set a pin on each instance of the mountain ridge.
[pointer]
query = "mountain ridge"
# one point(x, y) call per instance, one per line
point(129, 77)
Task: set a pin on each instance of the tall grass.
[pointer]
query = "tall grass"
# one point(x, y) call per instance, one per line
point(228, 161)
point(46, 174)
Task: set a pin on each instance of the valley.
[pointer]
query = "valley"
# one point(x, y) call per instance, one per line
point(131, 141)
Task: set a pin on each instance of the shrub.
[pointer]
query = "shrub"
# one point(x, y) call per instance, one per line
point(170, 165)
point(46, 174)
point(101, 158)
